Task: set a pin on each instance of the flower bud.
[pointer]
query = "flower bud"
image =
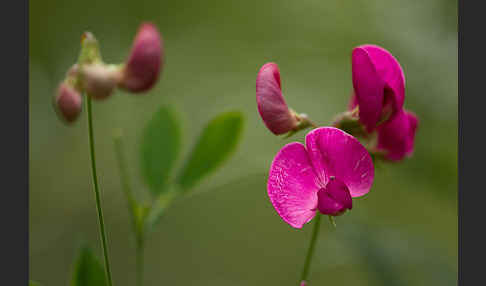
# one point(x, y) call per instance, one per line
point(67, 103)
point(334, 199)
point(275, 113)
point(143, 66)
point(303, 283)
point(396, 137)
point(379, 85)
point(100, 80)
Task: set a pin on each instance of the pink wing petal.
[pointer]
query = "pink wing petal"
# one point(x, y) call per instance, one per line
point(378, 78)
point(271, 104)
point(334, 152)
point(292, 185)
point(397, 135)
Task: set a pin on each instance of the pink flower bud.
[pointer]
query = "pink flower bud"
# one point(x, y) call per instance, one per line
point(275, 113)
point(396, 137)
point(67, 103)
point(303, 283)
point(146, 59)
point(100, 80)
point(379, 84)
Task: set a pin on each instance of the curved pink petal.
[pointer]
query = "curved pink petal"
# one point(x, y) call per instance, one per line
point(271, 104)
point(397, 136)
point(292, 185)
point(334, 199)
point(334, 152)
point(378, 80)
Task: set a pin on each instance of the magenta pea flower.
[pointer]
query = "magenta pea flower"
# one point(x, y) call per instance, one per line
point(379, 84)
point(396, 137)
point(272, 107)
point(143, 66)
point(324, 175)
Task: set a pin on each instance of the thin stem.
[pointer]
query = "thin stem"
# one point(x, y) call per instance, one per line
point(140, 262)
point(125, 179)
point(132, 206)
point(96, 191)
point(332, 221)
point(310, 252)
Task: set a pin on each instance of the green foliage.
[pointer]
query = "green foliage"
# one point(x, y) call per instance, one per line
point(88, 270)
point(217, 141)
point(160, 147)
point(33, 283)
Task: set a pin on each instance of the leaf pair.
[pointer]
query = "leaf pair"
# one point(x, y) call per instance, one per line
point(161, 147)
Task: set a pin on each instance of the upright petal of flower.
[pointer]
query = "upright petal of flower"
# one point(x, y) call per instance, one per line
point(397, 136)
point(334, 199)
point(335, 153)
point(67, 103)
point(271, 104)
point(292, 185)
point(378, 80)
point(146, 59)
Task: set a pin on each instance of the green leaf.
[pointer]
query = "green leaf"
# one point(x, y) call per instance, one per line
point(88, 270)
point(160, 148)
point(216, 143)
point(33, 283)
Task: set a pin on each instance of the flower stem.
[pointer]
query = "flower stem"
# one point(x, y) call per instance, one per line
point(97, 192)
point(138, 226)
point(140, 264)
point(310, 252)
point(125, 179)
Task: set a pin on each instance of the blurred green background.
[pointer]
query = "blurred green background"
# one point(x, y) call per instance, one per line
point(404, 232)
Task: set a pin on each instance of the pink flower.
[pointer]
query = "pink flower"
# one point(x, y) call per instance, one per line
point(275, 113)
point(146, 59)
point(379, 84)
point(68, 103)
point(396, 137)
point(325, 174)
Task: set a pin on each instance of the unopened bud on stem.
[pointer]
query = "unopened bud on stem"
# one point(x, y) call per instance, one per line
point(68, 103)
point(143, 66)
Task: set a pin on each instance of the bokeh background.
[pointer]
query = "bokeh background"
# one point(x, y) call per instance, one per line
point(404, 232)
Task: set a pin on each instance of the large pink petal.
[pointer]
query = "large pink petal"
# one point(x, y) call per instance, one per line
point(368, 87)
point(292, 185)
point(271, 104)
point(378, 79)
point(397, 136)
point(334, 152)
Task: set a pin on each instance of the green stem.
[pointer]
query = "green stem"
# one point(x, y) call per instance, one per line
point(97, 191)
point(310, 252)
point(132, 205)
point(140, 264)
point(125, 179)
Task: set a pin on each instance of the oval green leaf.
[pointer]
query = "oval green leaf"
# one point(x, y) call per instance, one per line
point(88, 270)
point(160, 148)
point(216, 143)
